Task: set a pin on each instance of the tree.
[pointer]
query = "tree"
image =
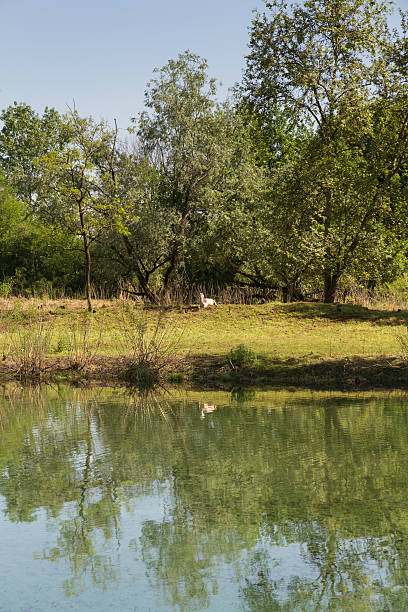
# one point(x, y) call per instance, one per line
point(331, 63)
point(139, 254)
point(178, 137)
point(24, 138)
point(84, 198)
point(198, 156)
point(26, 260)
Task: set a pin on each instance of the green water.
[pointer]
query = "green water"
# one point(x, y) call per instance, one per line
point(252, 502)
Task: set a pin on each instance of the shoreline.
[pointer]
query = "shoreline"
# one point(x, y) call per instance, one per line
point(216, 373)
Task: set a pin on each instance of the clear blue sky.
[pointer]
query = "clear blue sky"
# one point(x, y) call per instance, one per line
point(101, 53)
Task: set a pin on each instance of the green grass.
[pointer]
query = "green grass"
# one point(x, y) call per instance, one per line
point(282, 337)
point(294, 330)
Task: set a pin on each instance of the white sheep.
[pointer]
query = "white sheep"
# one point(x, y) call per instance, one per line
point(204, 302)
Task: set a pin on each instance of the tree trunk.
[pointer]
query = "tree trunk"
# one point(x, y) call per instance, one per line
point(330, 286)
point(170, 275)
point(88, 273)
point(144, 286)
point(142, 277)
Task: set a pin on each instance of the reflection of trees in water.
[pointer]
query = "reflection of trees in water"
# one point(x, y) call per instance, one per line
point(177, 564)
point(96, 512)
point(327, 477)
point(343, 582)
point(244, 480)
point(75, 458)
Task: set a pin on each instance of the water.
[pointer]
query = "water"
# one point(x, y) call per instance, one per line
point(215, 501)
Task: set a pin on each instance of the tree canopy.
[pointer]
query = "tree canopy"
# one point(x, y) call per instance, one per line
point(296, 184)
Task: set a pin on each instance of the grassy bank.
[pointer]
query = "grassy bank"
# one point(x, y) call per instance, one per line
point(305, 344)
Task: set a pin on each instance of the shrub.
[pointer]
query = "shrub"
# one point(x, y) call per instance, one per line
point(82, 349)
point(6, 287)
point(62, 344)
point(403, 342)
point(242, 357)
point(28, 349)
point(149, 346)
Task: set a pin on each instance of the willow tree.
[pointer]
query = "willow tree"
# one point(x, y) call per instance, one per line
point(332, 63)
point(177, 136)
point(198, 159)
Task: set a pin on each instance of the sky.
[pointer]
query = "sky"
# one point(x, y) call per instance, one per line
point(101, 53)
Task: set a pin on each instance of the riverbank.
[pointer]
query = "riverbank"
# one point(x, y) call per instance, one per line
point(326, 346)
point(211, 372)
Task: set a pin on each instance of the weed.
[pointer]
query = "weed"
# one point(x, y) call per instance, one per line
point(28, 349)
point(149, 348)
point(62, 344)
point(176, 377)
point(6, 288)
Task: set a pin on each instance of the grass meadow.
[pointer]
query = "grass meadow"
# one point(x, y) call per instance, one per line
point(274, 343)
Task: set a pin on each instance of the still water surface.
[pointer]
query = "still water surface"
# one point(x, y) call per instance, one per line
point(250, 502)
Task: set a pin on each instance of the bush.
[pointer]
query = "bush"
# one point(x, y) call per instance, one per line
point(403, 342)
point(6, 287)
point(83, 347)
point(242, 357)
point(28, 349)
point(150, 347)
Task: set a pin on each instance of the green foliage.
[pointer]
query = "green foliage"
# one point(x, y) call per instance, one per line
point(32, 258)
point(329, 65)
point(62, 344)
point(297, 185)
point(6, 288)
point(202, 168)
point(242, 357)
point(85, 200)
point(24, 138)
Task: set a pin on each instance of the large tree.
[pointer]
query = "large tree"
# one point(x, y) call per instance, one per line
point(333, 64)
point(200, 167)
point(24, 138)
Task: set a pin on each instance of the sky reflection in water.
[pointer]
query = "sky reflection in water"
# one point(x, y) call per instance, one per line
point(247, 501)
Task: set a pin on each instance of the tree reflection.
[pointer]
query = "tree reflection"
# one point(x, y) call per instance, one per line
point(95, 513)
point(325, 479)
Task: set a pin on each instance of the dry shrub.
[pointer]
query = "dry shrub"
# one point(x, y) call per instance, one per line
point(402, 338)
point(82, 348)
point(149, 345)
point(28, 348)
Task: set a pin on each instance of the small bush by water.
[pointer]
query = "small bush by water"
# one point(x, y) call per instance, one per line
point(82, 349)
point(28, 348)
point(242, 357)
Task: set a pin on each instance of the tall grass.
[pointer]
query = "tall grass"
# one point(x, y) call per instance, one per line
point(28, 348)
point(82, 348)
point(148, 345)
